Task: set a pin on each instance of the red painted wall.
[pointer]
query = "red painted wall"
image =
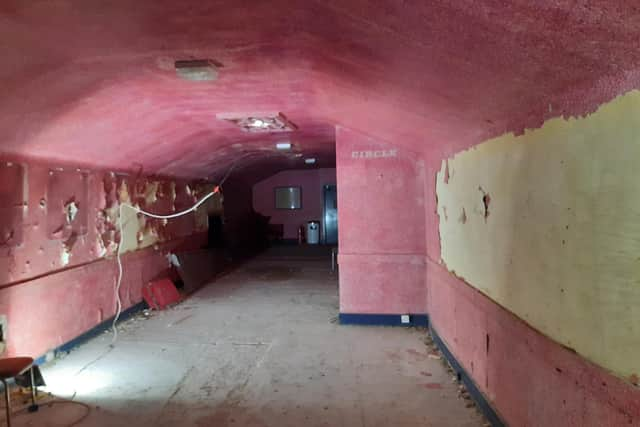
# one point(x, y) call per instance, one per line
point(381, 223)
point(49, 300)
point(311, 181)
point(529, 379)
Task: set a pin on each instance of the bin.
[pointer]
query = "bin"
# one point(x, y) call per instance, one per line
point(313, 232)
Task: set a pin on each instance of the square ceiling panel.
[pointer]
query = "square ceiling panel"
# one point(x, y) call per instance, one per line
point(260, 122)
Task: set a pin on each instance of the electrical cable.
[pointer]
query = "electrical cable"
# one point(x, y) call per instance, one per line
point(119, 250)
point(56, 400)
point(216, 189)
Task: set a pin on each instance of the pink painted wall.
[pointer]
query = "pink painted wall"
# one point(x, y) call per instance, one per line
point(381, 217)
point(529, 379)
point(49, 301)
point(311, 181)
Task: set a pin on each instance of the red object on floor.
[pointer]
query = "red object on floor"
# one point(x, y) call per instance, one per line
point(14, 366)
point(160, 294)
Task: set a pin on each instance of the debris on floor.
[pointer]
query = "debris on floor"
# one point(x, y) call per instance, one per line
point(160, 294)
point(434, 353)
point(245, 352)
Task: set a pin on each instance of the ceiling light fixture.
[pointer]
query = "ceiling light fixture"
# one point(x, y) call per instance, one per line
point(283, 146)
point(310, 161)
point(197, 70)
point(263, 122)
point(257, 123)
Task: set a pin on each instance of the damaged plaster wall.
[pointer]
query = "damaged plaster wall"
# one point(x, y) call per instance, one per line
point(161, 197)
point(57, 217)
point(547, 224)
point(59, 230)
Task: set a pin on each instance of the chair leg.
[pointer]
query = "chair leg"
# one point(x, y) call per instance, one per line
point(34, 391)
point(7, 398)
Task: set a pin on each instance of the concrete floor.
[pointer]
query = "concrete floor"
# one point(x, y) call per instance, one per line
point(258, 347)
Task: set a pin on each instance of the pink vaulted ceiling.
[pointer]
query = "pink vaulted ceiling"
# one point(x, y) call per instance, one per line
point(92, 82)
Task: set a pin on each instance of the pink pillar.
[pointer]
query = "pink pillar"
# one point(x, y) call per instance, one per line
point(381, 227)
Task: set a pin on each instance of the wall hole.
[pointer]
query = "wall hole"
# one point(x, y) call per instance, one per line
point(446, 172)
point(486, 200)
point(463, 216)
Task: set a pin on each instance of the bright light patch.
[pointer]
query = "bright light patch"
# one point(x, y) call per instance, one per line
point(65, 382)
point(283, 146)
point(310, 161)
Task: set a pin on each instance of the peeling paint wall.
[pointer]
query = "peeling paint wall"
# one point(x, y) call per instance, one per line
point(547, 224)
point(56, 225)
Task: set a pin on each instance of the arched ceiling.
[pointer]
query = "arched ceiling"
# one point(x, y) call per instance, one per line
point(93, 82)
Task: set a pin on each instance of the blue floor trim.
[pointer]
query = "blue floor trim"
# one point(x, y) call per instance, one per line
point(382, 319)
point(94, 332)
point(473, 390)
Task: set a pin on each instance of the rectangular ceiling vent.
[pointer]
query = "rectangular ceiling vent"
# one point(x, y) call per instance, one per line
point(197, 70)
point(260, 123)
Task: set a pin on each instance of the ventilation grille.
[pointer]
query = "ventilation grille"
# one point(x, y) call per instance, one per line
point(261, 123)
point(197, 70)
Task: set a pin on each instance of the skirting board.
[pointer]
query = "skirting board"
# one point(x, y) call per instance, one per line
point(94, 332)
point(484, 405)
point(423, 320)
point(383, 319)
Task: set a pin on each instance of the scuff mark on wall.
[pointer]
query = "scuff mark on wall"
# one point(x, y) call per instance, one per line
point(555, 242)
point(463, 216)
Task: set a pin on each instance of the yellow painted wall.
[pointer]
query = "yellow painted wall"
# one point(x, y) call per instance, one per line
point(560, 246)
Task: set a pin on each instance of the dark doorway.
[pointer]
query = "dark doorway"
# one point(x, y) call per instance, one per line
point(330, 215)
point(216, 233)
